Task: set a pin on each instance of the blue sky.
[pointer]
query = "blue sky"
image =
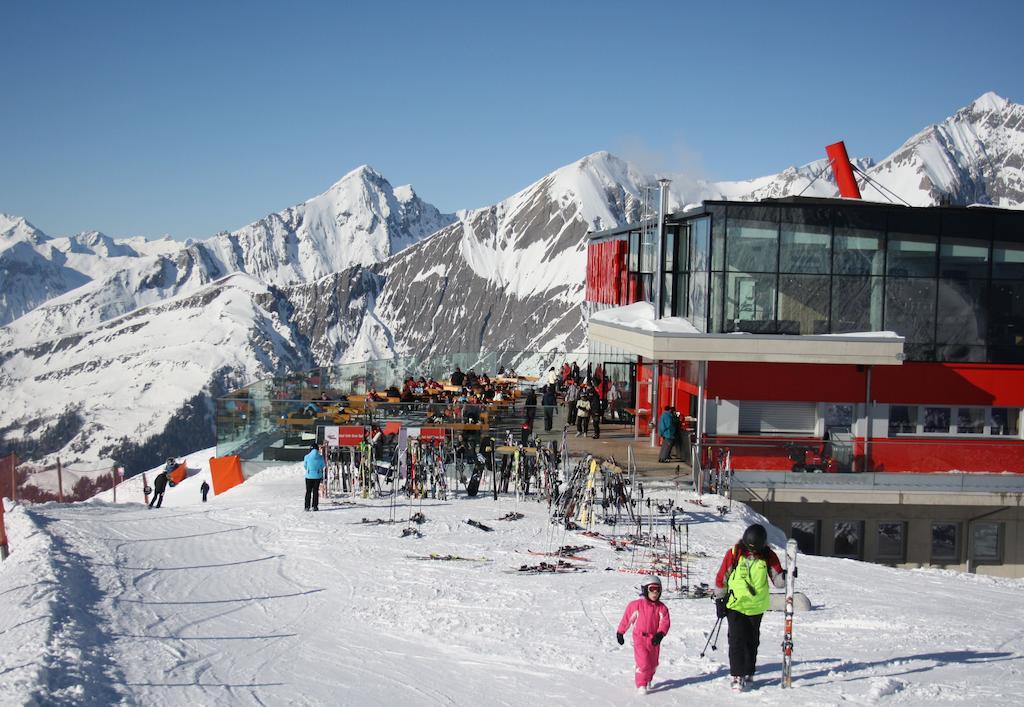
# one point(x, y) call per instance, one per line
point(186, 118)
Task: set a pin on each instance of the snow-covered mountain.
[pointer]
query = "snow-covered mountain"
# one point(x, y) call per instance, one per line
point(115, 346)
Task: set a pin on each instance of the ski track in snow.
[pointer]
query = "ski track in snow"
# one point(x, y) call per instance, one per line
point(248, 600)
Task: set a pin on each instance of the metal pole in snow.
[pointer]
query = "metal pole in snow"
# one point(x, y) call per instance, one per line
point(60, 483)
point(3, 534)
point(12, 459)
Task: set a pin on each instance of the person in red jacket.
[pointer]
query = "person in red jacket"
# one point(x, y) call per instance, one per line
point(742, 597)
point(650, 621)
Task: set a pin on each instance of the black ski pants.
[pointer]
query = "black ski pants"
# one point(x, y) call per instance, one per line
point(158, 499)
point(313, 494)
point(549, 417)
point(571, 412)
point(667, 445)
point(744, 638)
point(582, 424)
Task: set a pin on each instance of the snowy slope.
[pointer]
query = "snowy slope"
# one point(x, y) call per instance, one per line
point(249, 600)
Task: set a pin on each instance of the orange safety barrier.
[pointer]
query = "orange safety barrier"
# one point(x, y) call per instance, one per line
point(392, 428)
point(226, 473)
point(179, 474)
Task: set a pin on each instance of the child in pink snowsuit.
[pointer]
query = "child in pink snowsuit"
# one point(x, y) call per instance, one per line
point(651, 622)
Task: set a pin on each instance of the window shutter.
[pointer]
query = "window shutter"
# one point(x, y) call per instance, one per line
point(764, 417)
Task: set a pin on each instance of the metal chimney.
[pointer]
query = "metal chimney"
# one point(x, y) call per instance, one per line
point(843, 170)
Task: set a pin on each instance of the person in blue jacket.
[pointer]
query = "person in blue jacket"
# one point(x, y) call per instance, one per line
point(315, 464)
point(671, 435)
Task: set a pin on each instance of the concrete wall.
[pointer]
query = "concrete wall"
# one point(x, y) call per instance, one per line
point(918, 518)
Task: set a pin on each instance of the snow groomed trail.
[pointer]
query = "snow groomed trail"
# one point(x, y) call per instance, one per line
point(249, 600)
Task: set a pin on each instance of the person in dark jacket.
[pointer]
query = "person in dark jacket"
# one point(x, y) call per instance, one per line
point(530, 406)
point(204, 489)
point(596, 411)
point(314, 464)
point(159, 486)
point(741, 596)
point(549, 401)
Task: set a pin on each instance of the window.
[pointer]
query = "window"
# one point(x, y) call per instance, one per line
point(806, 534)
point(1005, 421)
point(892, 542)
point(1008, 260)
point(963, 257)
point(752, 239)
point(945, 543)
point(936, 420)
point(912, 256)
point(856, 304)
point(803, 304)
point(932, 420)
point(902, 419)
point(750, 303)
point(857, 253)
point(970, 421)
point(910, 308)
point(986, 542)
point(805, 241)
point(848, 538)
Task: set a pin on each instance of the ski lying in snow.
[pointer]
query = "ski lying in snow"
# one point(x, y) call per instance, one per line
point(787, 635)
point(447, 558)
point(577, 558)
point(374, 521)
point(478, 524)
point(645, 570)
point(512, 516)
point(560, 567)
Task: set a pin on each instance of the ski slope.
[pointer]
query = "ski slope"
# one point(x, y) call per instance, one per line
point(249, 600)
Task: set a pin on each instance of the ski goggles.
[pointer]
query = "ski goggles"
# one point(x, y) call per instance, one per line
point(653, 588)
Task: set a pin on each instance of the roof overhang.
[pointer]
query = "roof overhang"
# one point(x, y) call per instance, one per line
point(858, 349)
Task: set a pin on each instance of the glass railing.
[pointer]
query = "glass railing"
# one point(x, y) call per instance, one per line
point(278, 417)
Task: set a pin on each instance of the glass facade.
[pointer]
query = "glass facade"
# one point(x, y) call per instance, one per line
point(948, 279)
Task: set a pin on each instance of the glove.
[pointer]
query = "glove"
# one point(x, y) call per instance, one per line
point(620, 639)
point(720, 608)
point(657, 638)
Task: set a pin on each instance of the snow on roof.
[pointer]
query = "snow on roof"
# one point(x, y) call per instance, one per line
point(640, 315)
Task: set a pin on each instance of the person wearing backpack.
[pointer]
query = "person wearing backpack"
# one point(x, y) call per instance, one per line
point(650, 620)
point(742, 597)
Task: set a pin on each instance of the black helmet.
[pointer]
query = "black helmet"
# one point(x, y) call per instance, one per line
point(755, 537)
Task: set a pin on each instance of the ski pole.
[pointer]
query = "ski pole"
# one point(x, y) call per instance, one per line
point(716, 629)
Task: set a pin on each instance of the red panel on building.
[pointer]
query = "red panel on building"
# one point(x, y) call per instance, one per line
point(606, 263)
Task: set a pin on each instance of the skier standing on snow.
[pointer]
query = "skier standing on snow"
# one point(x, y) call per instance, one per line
point(159, 486)
point(741, 597)
point(650, 621)
point(314, 464)
point(204, 489)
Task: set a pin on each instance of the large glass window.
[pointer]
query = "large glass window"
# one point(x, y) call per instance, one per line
point(912, 256)
point(857, 245)
point(856, 304)
point(962, 257)
point(945, 543)
point(892, 541)
point(750, 303)
point(634, 251)
point(1008, 260)
point(805, 241)
point(807, 535)
point(700, 247)
point(848, 537)
point(1006, 320)
point(986, 542)
point(803, 304)
point(752, 239)
point(910, 308)
point(963, 304)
